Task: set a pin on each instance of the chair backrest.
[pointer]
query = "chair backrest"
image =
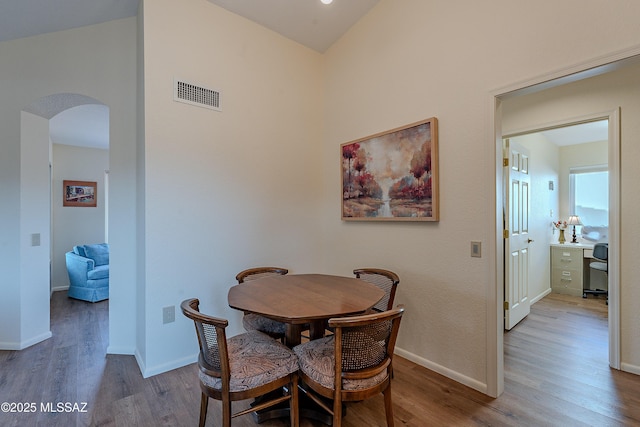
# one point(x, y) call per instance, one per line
point(364, 345)
point(259, 272)
point(214, 357)
point(385, 280)
point(601, 251)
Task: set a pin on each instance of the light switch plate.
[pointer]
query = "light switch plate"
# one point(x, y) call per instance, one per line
point(169, 314)
point(476, 250)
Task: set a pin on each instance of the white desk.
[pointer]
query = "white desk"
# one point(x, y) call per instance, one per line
point(570, 267)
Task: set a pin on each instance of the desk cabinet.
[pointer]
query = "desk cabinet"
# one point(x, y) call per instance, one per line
point(566, 270)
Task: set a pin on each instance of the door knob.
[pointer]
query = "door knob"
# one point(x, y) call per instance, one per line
point(529, 240)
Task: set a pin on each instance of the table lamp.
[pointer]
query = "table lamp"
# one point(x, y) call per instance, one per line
point(574, 220)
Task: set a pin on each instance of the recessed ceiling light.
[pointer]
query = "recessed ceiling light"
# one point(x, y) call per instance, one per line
point(326, 1)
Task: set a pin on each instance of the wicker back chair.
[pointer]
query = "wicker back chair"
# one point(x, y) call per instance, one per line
point(256, 322)
point(385, 280)
point(353, 364)
point(259, 272)
point(245, 366)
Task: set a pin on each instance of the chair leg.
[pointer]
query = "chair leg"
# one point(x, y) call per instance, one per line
point(204, 403)
point(226, 411)
point(388, 406)
point(293, 402)
point(337, 411)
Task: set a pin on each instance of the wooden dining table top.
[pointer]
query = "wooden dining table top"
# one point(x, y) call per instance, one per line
point(302, 298)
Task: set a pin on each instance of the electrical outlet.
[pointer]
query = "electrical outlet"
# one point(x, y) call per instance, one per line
point(169, 314)
point(35, 239)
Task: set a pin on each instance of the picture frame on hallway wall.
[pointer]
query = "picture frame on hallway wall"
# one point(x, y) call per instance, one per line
point(392, 175)
point(79, 193)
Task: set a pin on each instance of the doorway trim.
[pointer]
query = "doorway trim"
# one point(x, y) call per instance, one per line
point(495, 293)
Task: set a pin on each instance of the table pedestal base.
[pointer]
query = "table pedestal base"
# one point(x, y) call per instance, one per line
point(307, 409)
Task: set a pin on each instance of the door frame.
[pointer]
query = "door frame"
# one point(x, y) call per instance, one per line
point(613, 166)
point(495, 290)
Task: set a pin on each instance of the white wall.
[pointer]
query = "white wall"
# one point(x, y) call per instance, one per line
point(32, 317)
point(75, 225)
point(413, 59)
point(226, 190)
point(97, 61)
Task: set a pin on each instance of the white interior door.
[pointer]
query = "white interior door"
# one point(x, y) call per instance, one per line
point(517, 239)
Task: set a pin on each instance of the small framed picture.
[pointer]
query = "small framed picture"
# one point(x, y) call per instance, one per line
point(79, 193)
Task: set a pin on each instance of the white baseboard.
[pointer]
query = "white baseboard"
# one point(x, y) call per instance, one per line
point(632, 369)
point(159, 369)
point(59, 288)
point(456, 376)
point(539, 297)
point(127, 351)
point(26, 343)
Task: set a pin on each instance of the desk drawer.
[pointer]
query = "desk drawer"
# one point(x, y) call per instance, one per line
point(566, 281)
point(567, 258)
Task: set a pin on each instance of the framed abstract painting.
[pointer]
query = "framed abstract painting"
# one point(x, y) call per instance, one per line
point(393, 175)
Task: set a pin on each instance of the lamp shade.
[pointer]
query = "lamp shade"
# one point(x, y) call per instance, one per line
point(574, 220)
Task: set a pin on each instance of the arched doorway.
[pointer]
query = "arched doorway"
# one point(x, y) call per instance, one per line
point(44, 123)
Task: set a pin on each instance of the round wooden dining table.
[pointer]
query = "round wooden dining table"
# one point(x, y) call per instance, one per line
point(301, 299)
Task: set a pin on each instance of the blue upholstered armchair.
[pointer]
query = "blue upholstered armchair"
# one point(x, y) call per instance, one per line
point(88, 268)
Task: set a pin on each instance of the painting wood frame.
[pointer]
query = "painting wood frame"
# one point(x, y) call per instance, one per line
point(82, 194)
point(392, 175)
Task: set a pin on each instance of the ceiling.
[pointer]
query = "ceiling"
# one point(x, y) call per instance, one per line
point(578, 134)
point(308, 22)
point(25, 18)
point(82, 126)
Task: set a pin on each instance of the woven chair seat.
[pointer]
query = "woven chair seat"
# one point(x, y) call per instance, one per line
point(255, 359)
point(255, 322)
point(317, 360)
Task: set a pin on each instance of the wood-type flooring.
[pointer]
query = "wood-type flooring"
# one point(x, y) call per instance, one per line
point(556, 374)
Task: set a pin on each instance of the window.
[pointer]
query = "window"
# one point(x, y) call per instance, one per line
point(589, 199)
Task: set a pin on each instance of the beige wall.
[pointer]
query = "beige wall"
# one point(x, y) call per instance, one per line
point(225, 190)
point(410, 60)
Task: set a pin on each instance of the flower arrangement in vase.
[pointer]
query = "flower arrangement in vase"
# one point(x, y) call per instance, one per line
point(561, 225)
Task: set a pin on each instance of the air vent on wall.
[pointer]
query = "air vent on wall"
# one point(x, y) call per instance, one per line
point(193, 94)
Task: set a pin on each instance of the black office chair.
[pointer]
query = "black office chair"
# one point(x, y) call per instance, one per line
point(601, 255)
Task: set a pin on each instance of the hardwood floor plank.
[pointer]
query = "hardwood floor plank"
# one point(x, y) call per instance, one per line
point(132, 410)
point(556, 374)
